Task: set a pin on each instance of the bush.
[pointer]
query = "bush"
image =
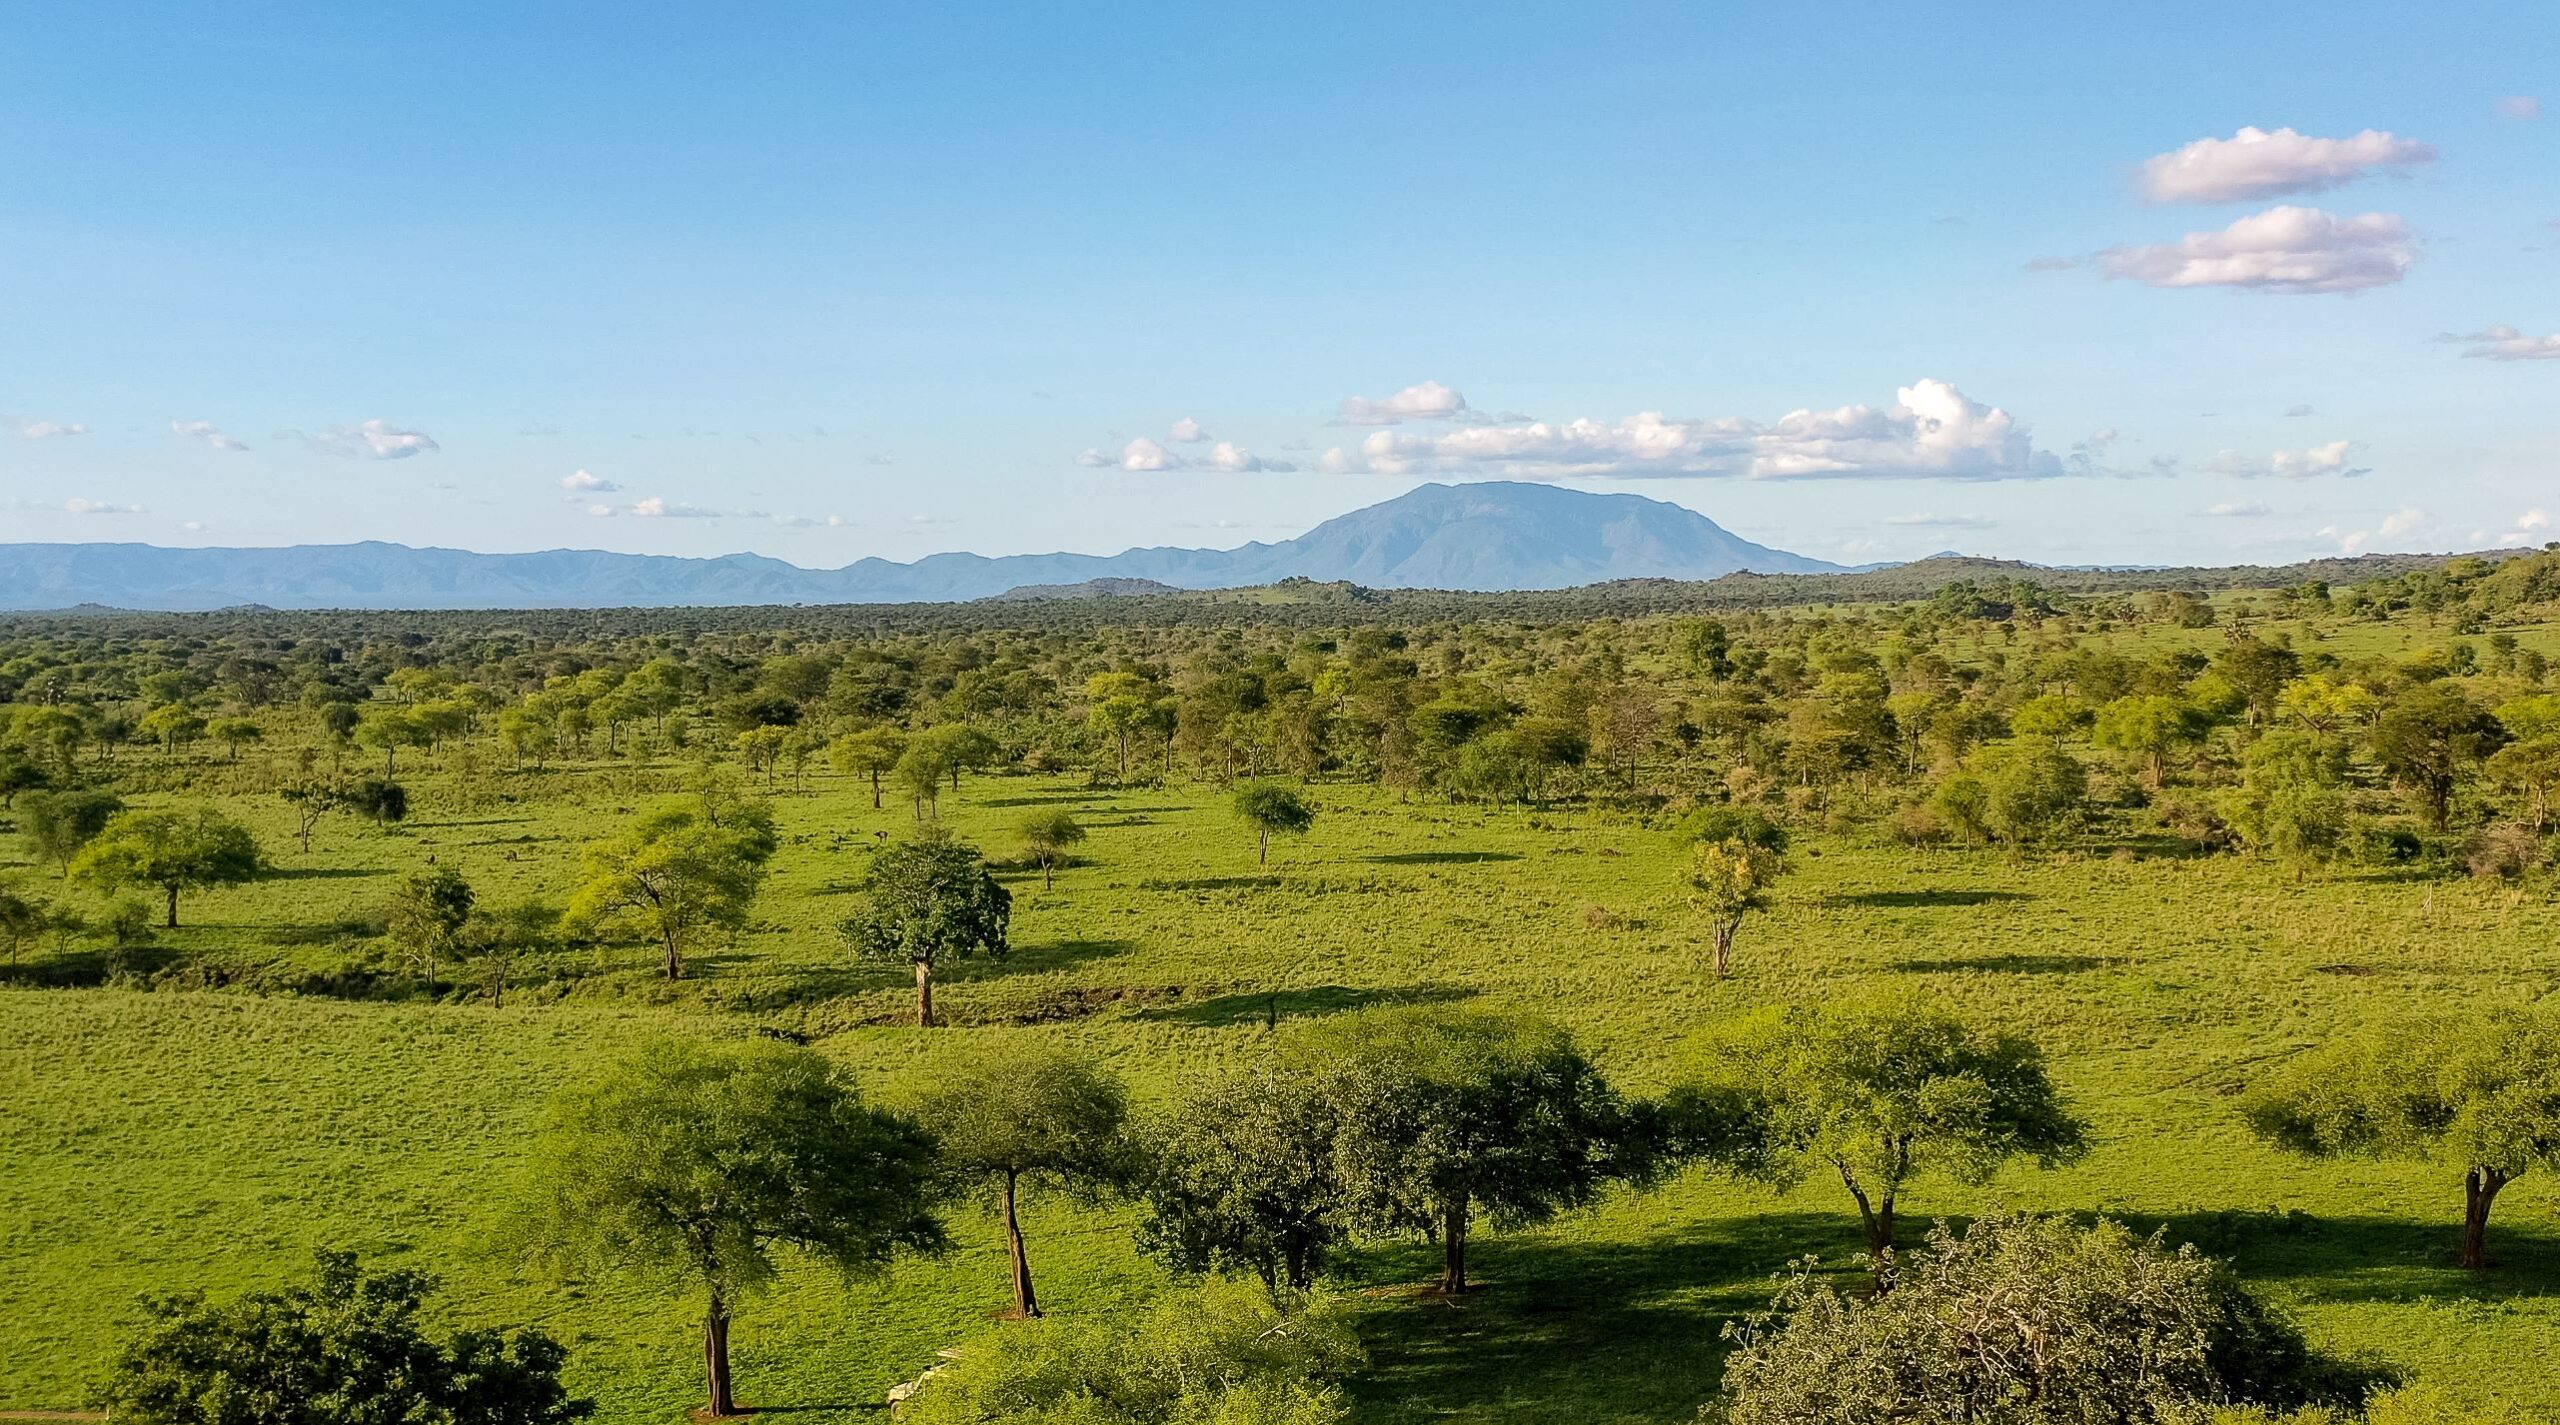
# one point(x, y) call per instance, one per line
point(2019, 1321)
point(1226, 1353)
point(2504, 852)
point(347, 1347)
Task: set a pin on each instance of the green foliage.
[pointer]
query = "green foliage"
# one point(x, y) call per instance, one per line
point(926, 901)
point(1722, 822)
point(346, 1349)
point(1730, 879)
point(1018, 1118)
point(1878, 1093)
point(427, 917)
point(1271, 808)
point(1443, 1112)
point(2017, 1321)
point(2429, 740)
point(58, 824)
point(680, 873)
point(693, 1162)
point(379, 800)
point(1224, 1353)
point(1242, 1176)
point(2291, 803)
point(1047, 837)
point(2023, 793)
point(2478, 1092)
point(170, 851)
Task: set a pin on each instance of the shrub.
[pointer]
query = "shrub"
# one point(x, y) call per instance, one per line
point(2019, 1321)
point(2504, 852)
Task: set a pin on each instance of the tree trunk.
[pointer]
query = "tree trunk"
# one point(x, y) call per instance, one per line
point(388, 756)
point(675, 958)
point(1453, 1238)
point(924, 994)
point(1876, 1216)
point(2479, 1191)
point(1263, 856)
point(715, 1358)
point(1048, 873)
point(1026, 1302)
point(171, 922)
point(1294, 1252)
point(875, 789)
point(1725, 929)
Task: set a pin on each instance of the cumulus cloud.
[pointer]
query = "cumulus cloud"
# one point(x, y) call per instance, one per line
point(1429, 401)
point(2255, 163)
point(1145, 454)
point(2403, 522)
point(1187, 431)
point(372, 440)
point(1933, 521)
point(1227, 455)
point(812, 521)
point(2284, 249)
point(1931, 431)
point(2532, 527)
point(582, 482)
point(2520, 106)
point(2310, 463)
point(207, 432)
point(2504, 343)
point(50, 430)
point(2240, 510)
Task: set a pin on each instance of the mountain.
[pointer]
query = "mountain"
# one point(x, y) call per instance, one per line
point(1492, 536)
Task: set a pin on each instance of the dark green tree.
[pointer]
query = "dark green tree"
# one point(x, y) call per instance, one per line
point(428, 914)
point(1242, 1176)
point(58, 824)
point(1037, 1119)
point(928, 900)
point(2428, 740)
point(1268, 807)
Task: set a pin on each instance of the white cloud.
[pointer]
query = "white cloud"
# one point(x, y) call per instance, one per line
point(1932, 431)
point(207, 432)
point(1094, 459)
point(2532, 527)
point(1145, 454)
point(192, 526)
point(2284, 249)
point(1187, 431)
point(1227, 455)
point(1941, 521)
point(1429, 401)
point(2240, 509)
point(581, 481)
point(373, 440)
point(2318, 460)
point(2504, 343)
point(81, 505)
point(812, 521)
point(2255, 163)
point(2403, 522)
point(49, 430)
point(2520, 106)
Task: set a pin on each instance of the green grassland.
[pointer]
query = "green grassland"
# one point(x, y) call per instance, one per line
point(157, 1139)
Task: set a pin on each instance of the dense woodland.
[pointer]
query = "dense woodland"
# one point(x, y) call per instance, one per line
point(780, 831)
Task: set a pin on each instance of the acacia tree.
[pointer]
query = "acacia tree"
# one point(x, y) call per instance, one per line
point(1443, 1113)
point(1047, 837)
point(1031, 1118)
point(1242, 1176)
point(926, 900)
point(1877, 1093)
point(695, 1161)
point(682, 872)
point(58, 824)
point(2291, 803)
point(1731, 879)
point(2428, 740)
point(428, 914)
point(2481, 1094)
point(870, 753)
point(21, 920)
point(170, 851)
point(349, 1346)
point(311, 799)
point(1268, 807)
point(2151, 728)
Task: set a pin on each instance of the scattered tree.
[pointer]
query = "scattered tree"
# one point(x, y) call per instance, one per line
point(2428, 740)
point(1268, 807)
point(170, 851)
point(928, 900)
point(1047, 836)
point(428, 914)
point(695, 1161)
point(1242, 1176)
point(868, 753)
point(1730, 879)
point(2479, 1093)
point(58, 824)
point(680, 873)
point(1878, 1094)
point(379, 800)
point(1017, 1119)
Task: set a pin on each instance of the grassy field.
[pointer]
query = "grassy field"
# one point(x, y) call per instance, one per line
point(172, 1138)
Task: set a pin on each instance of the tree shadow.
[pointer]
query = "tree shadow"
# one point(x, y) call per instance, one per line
point(1262, 1006)
point(320, 873)
point(2010, 964)
point(2372, 1259)
point(1028, 960)
point(1912, 900)
point(1617, 1331)
point(1265, 881)
point(86, 968)
point(1051, 799)
point(1439, 858)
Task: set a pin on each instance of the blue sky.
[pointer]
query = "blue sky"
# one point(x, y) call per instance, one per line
point(1864, 281)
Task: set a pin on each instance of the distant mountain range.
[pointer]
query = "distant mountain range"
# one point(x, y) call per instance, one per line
point(1491, 536)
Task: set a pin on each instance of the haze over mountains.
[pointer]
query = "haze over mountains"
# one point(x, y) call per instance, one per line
point(1489, 536)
